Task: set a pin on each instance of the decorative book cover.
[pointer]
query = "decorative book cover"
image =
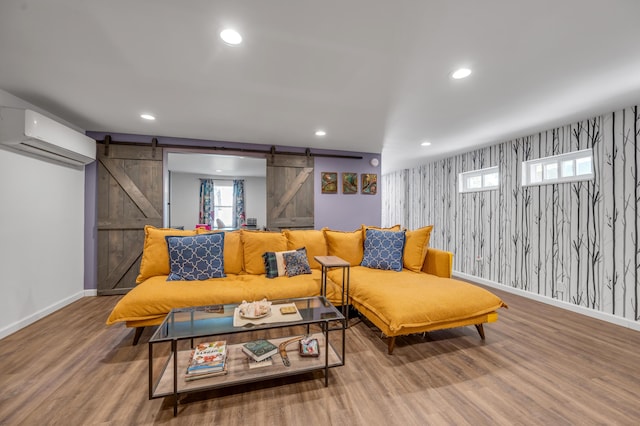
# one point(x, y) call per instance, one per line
point(205, 374)
point(309, 347)
point(208, 356)
point(260, 349)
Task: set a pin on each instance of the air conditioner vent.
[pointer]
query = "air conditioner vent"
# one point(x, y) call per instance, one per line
point(33, 133)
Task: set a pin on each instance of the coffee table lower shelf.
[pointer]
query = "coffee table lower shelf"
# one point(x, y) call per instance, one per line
point(238, 371)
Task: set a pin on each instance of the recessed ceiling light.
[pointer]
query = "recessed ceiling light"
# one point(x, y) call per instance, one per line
point(321, 133)
point(426, 144)
point(147, 117)
point(461, 73)
point(231, 36)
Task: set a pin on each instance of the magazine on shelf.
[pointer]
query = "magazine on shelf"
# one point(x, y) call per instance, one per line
point(257, 364)
point(260, 349)
point(309, 347)
point(204, 375)
point(208, 357)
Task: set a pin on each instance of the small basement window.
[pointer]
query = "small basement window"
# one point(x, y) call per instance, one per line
point(479, 180)
point(570, 167)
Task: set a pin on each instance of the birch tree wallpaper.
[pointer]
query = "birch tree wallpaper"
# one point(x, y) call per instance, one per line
point(576, 242)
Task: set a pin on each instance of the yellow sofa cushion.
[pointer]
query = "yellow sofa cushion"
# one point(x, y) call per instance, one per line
point(304, 285)
point(438, 263)
point(312, 240)
point(157, 296)
point(347, 245)
point(150, 301)
point(155, 254)
point(409, 300)
point(233, 251)
point(415, 248)
point(255, 244)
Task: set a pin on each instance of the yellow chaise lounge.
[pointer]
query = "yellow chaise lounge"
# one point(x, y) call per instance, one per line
point(421, 297)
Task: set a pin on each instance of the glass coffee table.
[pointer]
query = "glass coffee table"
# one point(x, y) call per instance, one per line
point(219, 322)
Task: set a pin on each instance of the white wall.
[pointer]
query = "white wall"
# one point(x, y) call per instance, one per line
point(41, 236)
point(572, 244)
point(185, 193)
point(255, 189)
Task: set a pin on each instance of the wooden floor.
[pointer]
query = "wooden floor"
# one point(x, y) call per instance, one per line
point(539, 365)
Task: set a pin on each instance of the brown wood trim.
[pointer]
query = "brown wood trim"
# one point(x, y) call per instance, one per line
point(128, 152)
point(128, 223)
point(116, 274)
point(130, 188)
point(289, 161)
point(113, 292)
point(288, 196)
point(296, 222)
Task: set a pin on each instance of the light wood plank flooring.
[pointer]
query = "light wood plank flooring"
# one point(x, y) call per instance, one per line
point(539, 365)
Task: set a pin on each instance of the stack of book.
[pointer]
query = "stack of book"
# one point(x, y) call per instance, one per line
point(260, 350)
point(207, 360)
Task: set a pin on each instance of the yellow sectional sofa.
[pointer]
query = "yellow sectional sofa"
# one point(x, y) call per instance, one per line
point(418, 296)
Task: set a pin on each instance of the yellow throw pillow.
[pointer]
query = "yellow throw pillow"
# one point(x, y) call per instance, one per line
point(255, 244)
point(415, 248)
point(348, 246)
point(155, 254)
point(233, 253)
point(311, 239)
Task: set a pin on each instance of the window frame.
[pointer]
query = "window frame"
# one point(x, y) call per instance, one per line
point(559, 161)
point(463, 180)
point(223, 183)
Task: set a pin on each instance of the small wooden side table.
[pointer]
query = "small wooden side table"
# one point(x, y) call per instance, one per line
point(331, 262)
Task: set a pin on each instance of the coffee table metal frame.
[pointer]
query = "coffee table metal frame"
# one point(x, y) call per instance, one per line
point(217, 320)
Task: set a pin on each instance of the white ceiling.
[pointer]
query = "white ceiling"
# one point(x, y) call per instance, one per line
point(373, 73)
point(217, 165)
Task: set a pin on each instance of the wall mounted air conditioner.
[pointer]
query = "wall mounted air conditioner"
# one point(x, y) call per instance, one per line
point(31, 132)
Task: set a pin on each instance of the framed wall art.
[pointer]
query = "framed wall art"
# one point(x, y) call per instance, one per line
point(369, 183)
point(349, 183)
point(329, 182)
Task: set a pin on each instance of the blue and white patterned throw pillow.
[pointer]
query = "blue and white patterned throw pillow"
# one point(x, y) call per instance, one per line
point(274, 264)
point(199, 257)
point(296, 263)
point(383, 249)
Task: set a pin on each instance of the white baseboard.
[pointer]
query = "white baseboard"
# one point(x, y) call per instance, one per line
point(12, 328)
point(89, 293)
point(635, 325)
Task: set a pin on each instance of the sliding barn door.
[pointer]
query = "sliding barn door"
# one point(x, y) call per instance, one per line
point(289, 192)
point(129, 197)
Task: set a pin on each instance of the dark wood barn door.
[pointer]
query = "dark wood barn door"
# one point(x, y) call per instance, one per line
point(289, 192)
point(129, 197)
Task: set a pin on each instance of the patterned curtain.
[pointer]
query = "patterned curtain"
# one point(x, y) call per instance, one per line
point(238, 203)
point(206, 201)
